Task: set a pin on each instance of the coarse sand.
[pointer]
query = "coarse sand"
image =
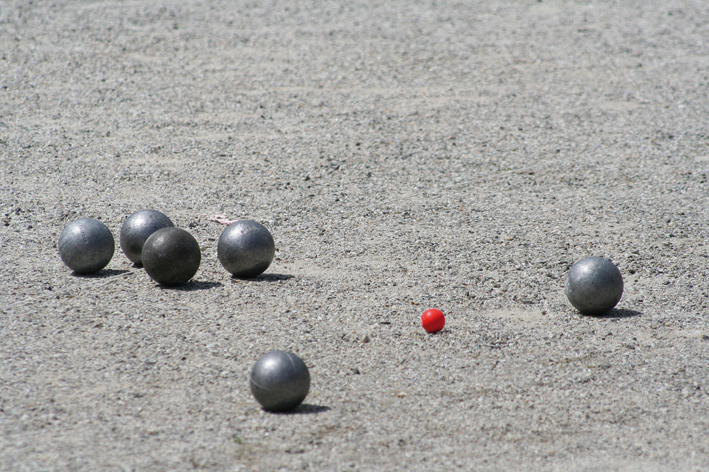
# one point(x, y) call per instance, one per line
point(405, 155)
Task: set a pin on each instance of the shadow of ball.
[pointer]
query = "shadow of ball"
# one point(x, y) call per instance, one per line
point(280, 381)
point(86, 245)
point(246, 249)
point(137, 228)
point(171, 256)
point(594, 286)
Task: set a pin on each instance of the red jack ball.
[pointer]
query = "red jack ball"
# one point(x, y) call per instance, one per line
point(433, 320)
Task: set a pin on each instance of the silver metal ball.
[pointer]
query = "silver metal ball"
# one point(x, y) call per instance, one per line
point(280, 381)
point(246, 248)
point(86, 245)
point(594, 286)
point(137, 229)
point(171, 256)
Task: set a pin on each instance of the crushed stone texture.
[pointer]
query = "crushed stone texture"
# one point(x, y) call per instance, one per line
point(404, 155)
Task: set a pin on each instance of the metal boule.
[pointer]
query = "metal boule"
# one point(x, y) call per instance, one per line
point(171, 256)
point(86, 245)
point(280, 381)
point(137, 228)
point(594, 286)
point(246, 248)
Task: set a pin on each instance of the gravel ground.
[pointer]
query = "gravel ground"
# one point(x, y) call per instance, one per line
point(404, 155)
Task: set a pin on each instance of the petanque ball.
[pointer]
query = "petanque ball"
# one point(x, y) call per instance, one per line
point(594, 286)
point(137, 228)
point(246, 249)
point(171, 256)
point(86, 245)
point(280, 381)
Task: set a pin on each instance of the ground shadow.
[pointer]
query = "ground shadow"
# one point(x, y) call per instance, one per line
point(305, 409)
point(619, 314)
point(266, 278)
point(101, 274)
point(192, 286)
point(440, 332)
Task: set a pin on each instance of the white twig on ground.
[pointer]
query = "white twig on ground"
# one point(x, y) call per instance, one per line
point(220, 219)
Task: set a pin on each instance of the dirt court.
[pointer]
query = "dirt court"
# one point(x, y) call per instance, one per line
point(404, 155)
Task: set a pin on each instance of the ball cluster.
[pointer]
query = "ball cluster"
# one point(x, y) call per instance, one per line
point(170, 256)
point(279, 380)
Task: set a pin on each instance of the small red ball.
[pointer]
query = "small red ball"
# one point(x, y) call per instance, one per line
point(433, 320)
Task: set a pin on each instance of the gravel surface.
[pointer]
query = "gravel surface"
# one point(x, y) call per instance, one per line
point(404, 155)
